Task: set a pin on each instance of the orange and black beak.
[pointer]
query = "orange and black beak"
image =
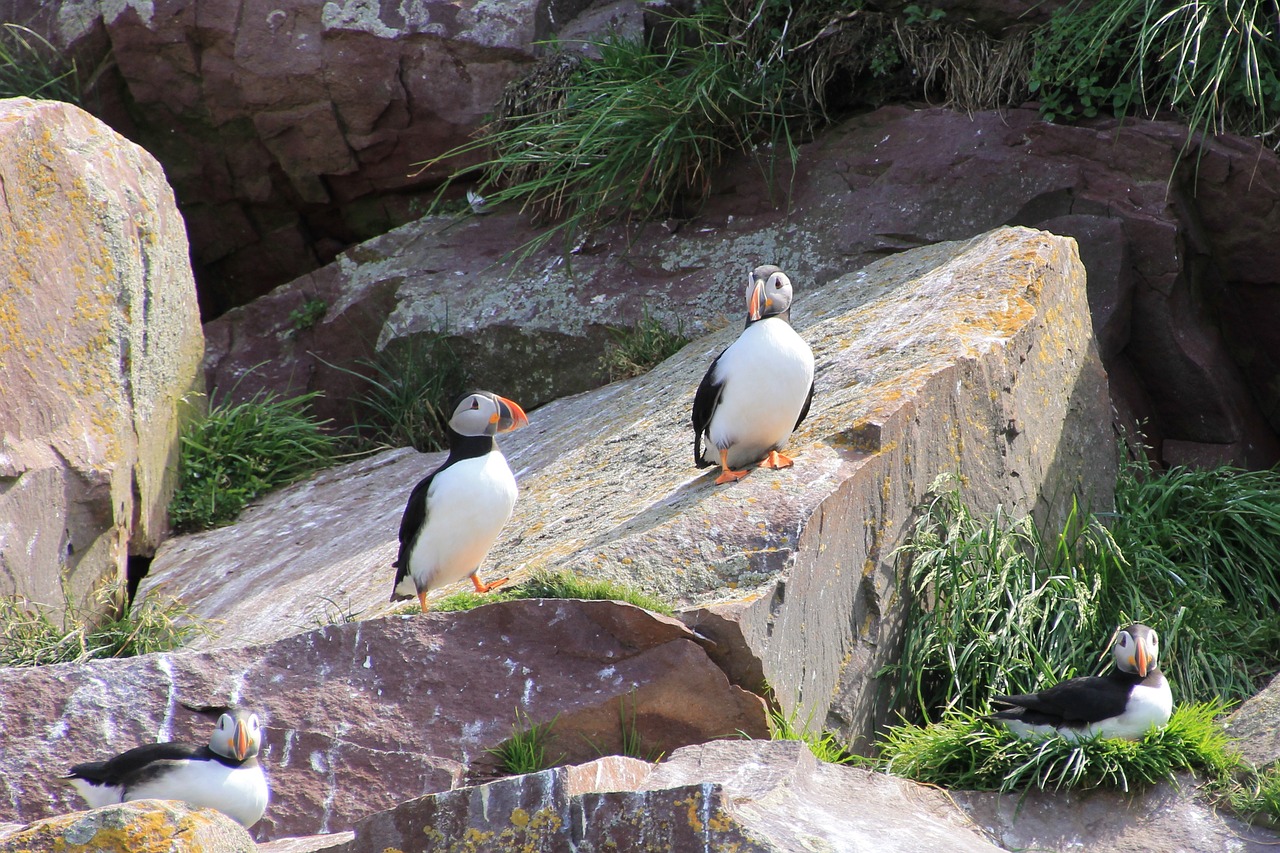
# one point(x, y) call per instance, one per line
point(757, 302)
point(509, 415)
point(1142, 657)
point(240, 742)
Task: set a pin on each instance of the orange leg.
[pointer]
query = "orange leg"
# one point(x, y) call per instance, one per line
point(728, 475)
point(777, 460)
point(485, 587)
point(422, 601)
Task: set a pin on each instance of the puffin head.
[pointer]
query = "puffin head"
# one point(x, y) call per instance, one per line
point(484, 413)
point(768, 293)
point(238, 735)
point(1136, 649)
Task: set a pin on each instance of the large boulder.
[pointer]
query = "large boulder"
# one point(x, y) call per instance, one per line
point(100, 344)
point(973, 358)
point(1181, 255)
point(142, 826)
point(748, 796)
point(292, 129)
point(361, 716)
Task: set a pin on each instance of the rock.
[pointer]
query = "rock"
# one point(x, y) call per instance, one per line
point(142, 826)
point(291, 130)
point(971, 358)
point(1257, 725)
point(361, 716)
point(1165, 819)
point(100, 342)
point(332, 842)
point(1181, 261)
point(730, 795)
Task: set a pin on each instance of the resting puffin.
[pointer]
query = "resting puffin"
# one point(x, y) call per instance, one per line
point(225, 775)
point(1123, 703)
point(455, 514)
point(758, 391)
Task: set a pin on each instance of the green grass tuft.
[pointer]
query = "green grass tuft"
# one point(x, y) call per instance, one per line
point(240, 451)
point(641, 348)
point(825, 745)
point(29, 636)
point(547, 584)
point(964, 751)
point(31, 67)
point(1255, 796)
point(526, 750)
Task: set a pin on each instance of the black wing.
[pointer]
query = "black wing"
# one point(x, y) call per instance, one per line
point(126, 765)
point(411, 524)
point(1077, 700)
point(704, 406)
point(804, 410)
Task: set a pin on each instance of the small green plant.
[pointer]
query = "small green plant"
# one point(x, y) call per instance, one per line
point(31, 67)
point(526, 750)
point(1254, 795)
point(307, 315)
point(825, 745)
point(966, 752)
point(410, 387)
point(638, 350)
point(29, 635)
point(549, 584)
point(240, 451)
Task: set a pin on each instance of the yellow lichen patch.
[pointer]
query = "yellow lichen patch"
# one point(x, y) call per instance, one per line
point(519, 817)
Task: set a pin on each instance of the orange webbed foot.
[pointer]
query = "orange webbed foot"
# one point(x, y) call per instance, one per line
point(777, 460)
point(485, 587)
point(727, 474)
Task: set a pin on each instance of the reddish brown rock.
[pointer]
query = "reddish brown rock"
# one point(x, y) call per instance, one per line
point(100, 343)
point(362, 716)
point(142, 826)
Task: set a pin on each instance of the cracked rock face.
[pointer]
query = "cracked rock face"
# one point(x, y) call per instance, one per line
point(973, 359)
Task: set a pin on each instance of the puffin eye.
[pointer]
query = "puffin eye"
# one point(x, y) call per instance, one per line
point(475, 404)
point(1124, 639)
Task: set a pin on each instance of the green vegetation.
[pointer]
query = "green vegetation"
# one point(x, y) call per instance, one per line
point(965, 751)
point(29, 636)
point(1215, 63)
point(240, 451)
point(825, 745)
point(638, 350)
point(526, 750)
point(30, 67)
point(307, 315)
point(1255, 796)
point(548, 584)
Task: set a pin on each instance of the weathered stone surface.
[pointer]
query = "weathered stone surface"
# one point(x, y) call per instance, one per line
point(973, 358)
point(1182, 267)
point(100, 341)
point(747, 796)
point(361, 716)
point(1166, 819)
point(291, 129)
point(142, 826)
point(332, 842)
point(1257, 724)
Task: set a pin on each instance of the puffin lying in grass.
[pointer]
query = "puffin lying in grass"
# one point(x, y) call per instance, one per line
point(1123, 703)
point(758, 391)
point(456, 513)
point(225, 775)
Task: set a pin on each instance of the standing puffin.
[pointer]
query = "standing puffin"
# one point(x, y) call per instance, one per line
point(225, 775)
point(758, 391)
point(455, 514)
point(1123, 703)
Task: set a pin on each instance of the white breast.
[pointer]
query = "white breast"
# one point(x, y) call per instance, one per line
point(467, 505)
point(238, 792)
point(1148, 706)
point(766, 373)
point(96, 795)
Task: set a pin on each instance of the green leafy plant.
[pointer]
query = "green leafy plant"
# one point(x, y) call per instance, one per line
point(307, 315)
point(1254, 795)
point(240, 451)
point(825, 745)
point(31, 67)
point(638, 350)
point(30, 635)
point(965, 751)
point(549, 584)
point(526, 750)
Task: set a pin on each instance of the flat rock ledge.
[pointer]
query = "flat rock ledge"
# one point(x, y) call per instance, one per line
point(974, 359)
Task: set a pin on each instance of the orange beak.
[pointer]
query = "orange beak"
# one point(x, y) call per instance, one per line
point(240, 743)
point(510, 416)
point(1143, 659)
point(756, 303)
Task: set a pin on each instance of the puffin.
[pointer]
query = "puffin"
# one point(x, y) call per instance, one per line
point(1124, 703)
point(758, 390)
point(455, 513)
point(225, 775)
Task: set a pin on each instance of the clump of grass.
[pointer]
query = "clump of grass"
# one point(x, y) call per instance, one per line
point(526, 750)
point(306, 315)
point(550, 584)
point(965, 751)
point(825, 745)
point(1254, 796)
point(31, 67)
point(410, 387)
point(638, 350)
point(29, 636)
point(240, 451)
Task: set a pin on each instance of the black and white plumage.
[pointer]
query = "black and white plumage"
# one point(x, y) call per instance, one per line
point(1124, 703)
point(454, 515)
point(758, 391)
point(225, 775)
